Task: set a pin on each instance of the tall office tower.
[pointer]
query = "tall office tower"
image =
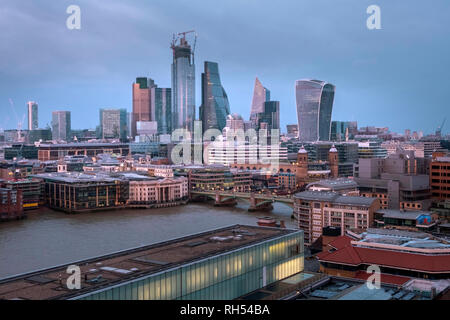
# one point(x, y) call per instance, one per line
point(183, 85)
point(61, 125)
point(215, 106)
point(32, 115)
point(141, 101)
point(161, 107)
point(113, 124)
point(270, 118)
point(314, 106)
point(260, 95)
point(129, 123)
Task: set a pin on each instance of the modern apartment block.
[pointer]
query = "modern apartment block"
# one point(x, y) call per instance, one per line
point(316, 210)
point(221, 264)
point(440, 176)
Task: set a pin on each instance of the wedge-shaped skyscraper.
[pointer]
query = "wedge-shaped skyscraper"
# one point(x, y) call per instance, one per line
point(260, 95)
point(314, 107)
point(215, 106)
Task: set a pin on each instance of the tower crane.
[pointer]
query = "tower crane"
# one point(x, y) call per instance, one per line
point(439, 129)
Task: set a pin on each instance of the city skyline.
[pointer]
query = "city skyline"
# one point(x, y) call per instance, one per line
point(376, 74)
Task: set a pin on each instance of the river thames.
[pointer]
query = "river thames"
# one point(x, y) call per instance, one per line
point(47, 238)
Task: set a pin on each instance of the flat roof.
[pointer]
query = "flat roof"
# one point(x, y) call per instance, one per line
point(398, 214)
point(134, 263)
point(334, 197)
point(336, 184)
point(82, 145)
point(75, 177)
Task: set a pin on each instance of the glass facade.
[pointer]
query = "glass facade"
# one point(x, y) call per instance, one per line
point(314, 107)
point(260, 95)
point(113, 123)
point(161, 104)
point(183, 87)
point(225, 276)
point(32, 115)
point(215, 106)
point(141, 102)
point(61, 125)
point(270, 116)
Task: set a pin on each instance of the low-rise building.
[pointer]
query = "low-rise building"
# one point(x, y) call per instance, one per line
point(75, 191)
point(11, 206)
point(405, 220)
point(395, 252)
point(31, 190)
point(150, 191)
point(57, 151)
point(217, 177)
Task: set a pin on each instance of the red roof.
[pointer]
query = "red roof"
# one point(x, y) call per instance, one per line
point(351, 255)
point(385, 278)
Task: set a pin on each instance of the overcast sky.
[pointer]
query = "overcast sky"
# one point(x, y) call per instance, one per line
point(397, 76)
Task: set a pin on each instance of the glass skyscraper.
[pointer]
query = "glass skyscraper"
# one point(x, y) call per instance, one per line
point(215, 106)
point(183, 86)
point(270, 118)
point(141, 102)
point(32, 115)
point(61, 128)
point(314, 107)
point(260, 95)
point(161, 106)
point(113, 123)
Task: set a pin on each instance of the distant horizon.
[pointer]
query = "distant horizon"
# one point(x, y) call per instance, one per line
point(381, 76)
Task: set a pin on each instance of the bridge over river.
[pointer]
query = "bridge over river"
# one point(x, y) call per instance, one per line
point(257, 201)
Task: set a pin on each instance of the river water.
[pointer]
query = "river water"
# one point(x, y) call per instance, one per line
point(48, 238)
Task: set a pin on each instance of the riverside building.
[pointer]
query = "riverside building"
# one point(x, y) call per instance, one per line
point(222, 264)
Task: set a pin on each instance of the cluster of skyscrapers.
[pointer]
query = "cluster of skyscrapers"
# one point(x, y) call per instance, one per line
point(157, 112)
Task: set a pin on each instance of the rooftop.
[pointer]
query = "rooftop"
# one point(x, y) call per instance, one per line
point(351, 253)
point(334, 198)
point(82, 145)
point(335, 184)
point(130, 264)
point(398, 214)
